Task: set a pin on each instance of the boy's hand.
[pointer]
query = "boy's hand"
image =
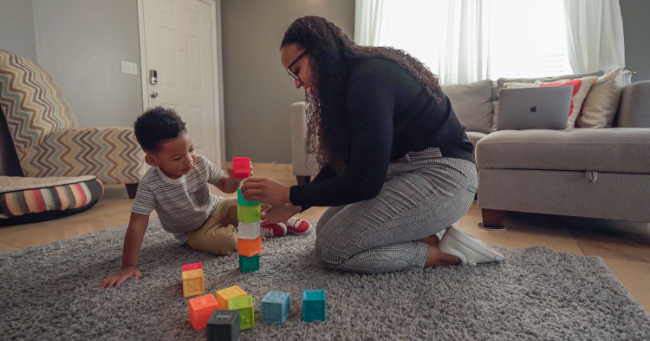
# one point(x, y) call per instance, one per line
point(117, 278)
point(229, 184)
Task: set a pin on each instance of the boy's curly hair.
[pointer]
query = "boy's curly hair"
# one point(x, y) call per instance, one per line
point(156, 125)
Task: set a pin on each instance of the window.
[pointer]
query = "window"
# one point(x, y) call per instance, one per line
point(471, 40)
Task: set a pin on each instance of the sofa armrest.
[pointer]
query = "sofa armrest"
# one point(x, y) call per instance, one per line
point(634, 110)
point(303, 163)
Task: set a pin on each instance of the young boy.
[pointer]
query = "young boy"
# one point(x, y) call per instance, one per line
point(177, 188)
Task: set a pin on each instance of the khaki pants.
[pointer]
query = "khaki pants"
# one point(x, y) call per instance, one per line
point(219, 233)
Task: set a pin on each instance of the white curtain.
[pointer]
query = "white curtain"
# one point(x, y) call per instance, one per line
point(464, 58)
point(464, 41)
point(449, 36)
point(594, 35)
point(367, 23)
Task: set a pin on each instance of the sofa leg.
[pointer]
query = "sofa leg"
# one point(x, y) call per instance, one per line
point(132, 189)
point(492, 220)
point(303, 179)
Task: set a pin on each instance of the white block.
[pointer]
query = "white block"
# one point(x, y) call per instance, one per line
point(249, 230)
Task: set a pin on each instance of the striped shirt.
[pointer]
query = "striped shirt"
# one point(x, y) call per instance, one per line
point(182, 204)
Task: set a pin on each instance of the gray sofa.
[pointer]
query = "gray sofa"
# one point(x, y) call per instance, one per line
point(595, 173)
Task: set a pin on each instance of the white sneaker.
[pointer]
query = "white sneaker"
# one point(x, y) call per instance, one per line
point(467, 248)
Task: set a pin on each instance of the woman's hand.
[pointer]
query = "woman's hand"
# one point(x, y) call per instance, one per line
point(279, 214)
point(266, 191)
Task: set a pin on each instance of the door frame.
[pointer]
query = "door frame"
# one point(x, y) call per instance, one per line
point(217, 70)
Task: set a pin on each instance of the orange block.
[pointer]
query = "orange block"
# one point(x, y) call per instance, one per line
point(224, 295)
point(249, 247)
point(201, 308)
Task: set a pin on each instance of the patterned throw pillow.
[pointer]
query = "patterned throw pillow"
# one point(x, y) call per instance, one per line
point(516, 85)
point(32, 101)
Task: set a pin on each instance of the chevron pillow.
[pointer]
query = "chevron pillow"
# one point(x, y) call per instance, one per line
point(31, 100)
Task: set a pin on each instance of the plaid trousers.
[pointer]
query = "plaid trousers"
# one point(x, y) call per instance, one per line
point(423, 194)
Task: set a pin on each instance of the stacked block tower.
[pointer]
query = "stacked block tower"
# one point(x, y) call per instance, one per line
point(249, 214)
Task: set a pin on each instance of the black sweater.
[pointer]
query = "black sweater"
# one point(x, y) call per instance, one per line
point(389, 114)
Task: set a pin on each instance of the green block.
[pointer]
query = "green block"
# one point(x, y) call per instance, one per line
point(249, 214)
point(243, 202)
point(249, 264)
point(245, 307)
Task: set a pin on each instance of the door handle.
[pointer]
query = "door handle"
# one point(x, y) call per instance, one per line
point(154, 94)
point(153, 77)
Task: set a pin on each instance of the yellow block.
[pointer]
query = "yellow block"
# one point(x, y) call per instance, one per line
point(226, 294)
point(193, 283)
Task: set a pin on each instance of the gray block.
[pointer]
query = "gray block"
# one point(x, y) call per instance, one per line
point(223, 325)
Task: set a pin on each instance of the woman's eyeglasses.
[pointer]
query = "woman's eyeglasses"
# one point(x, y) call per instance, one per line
point(290, 72)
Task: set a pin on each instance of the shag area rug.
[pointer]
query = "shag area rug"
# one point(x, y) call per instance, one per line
point(52, 292)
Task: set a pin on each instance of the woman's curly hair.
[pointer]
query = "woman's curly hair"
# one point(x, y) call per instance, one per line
point(332, 52)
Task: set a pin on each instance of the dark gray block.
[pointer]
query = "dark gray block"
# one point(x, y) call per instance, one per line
point(223, 325)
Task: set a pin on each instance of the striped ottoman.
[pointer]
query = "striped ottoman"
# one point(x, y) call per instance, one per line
point(30, 200)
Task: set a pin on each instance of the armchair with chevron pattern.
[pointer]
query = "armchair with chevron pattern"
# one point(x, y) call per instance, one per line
point(47, 138)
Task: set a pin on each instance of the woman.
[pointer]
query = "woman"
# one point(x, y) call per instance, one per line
point(396, 164)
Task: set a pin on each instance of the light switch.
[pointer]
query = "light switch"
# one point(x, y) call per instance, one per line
point(129, 68)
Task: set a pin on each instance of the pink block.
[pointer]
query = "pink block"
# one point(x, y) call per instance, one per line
point(241, 167)
point(193, 266)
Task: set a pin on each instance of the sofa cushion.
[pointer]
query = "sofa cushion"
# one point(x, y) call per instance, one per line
point(615, 150)
point(474, 137)
point(472, 104)
point(501, 81)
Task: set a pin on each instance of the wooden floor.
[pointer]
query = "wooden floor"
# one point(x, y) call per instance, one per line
point(625, 247)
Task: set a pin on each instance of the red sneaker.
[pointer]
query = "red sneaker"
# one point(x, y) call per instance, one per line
point(273, 230)
point(298, 226)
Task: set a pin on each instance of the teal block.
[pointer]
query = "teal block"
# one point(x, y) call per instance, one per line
point(275, 307)
point(313, 305)
point(243, 202)
point(249, 264)
point(249, 214)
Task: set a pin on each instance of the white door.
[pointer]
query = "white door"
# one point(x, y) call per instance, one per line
point(179, 46)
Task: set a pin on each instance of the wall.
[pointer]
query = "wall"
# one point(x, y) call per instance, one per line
point(257, 90)
point(17, 36)
point(636, 27)
point(17, 28)
point(82, 42)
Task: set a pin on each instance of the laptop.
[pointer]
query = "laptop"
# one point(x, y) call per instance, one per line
point(534, 108)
